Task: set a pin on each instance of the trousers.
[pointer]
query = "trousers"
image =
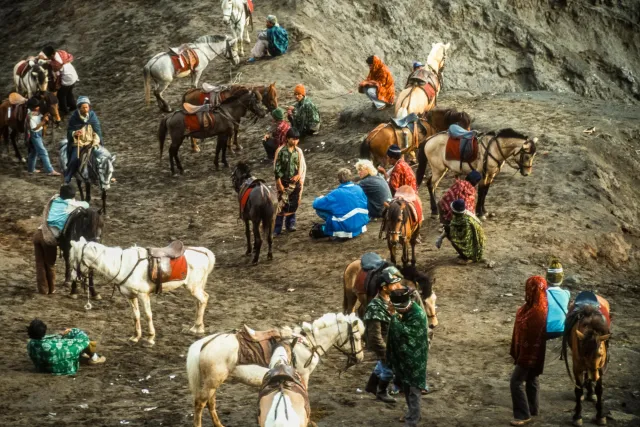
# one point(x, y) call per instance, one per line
point(37, 149)
point(413, 396)
point(525, 393)
point(66, 99)
point(383, 371)
point(45, 264)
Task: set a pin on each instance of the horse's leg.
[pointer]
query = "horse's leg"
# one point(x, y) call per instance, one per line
point(481, 212)
point(87, 186)
point(224, 152)
point(67, 267)
point(202, 298)
point(577, 416)
point(600, 418)
point(591, 397)
point(211, 404)
point(146, 304)
point(432, 197)
point(392, 251)
point(79, 185)
point(162, 103)
point(218, 149)
point(136, 316)
point(14, 142)
point(172, 154)
point(414, 238)
point(235, 139)
point(104, 202)
point(196, 77)
point(269, 229)
point(257, 241)
point(198, 409)
point(405, 252)
point(247, 233)
point(92, 290)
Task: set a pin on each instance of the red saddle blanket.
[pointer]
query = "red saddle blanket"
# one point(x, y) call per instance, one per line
point(462, 149)
point(360, 281)
point(250, 6)
point(199, 121)
point(22, 68)
point(187, 60)
point(245, 197)
point(178, 269)
point(430, 91)
point(417, 206)
point(165, 269)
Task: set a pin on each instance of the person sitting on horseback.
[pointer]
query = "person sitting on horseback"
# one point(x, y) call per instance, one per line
point(558, 300)
point(65, 74)
point(83, 130)
point(377, 318)
point(37, 149)
point(60, 354)
point(374, 186)
point(343, 209)
point(379, 85)
point(401, 173)
point(304, 115)
point(419, 75)
point(273, 41)
point(277, 137)
point(465, 233)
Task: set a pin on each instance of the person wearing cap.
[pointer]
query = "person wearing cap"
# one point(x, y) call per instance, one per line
point(36, 145)
point(379, 85)
point(401, 173)
point(465, 233)
point(464, 189)
point(419, 75)
point(528, 346)
point(273, 41)
point(84, 129)
point(558, 300)
point(277, 137)
point(377, 317)
point(60, 354)
point(408, 350)
point(374, 186)
point(66, 77)
point(344, 209)
point(290, 171)
point(304, 115)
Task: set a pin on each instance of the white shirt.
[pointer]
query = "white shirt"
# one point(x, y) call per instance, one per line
point(34, 121)
point(68, 74)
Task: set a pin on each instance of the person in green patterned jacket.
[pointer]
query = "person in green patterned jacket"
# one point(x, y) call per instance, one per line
point(408, 350)
point(304, 114)
point(59, 354)
point(465, 233)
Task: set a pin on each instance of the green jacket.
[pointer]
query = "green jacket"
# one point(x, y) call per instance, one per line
point(57, 354)
point(408, 348)
point(287, 163)
point(305, 116)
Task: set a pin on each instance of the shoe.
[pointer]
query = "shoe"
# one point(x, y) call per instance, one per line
point(520, 422)
point(251, 60)
point(97, 361)
point(383, 393)
point(292, 229)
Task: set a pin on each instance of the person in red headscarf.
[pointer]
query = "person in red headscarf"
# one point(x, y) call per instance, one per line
point(379, 85)
point(528, 347)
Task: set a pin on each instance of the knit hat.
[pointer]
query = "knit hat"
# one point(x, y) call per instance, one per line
point(474, 178)
point(293, 134)
point(272, 19)
point(300, 90)
point(417, 64)
point(82, 100)
point(67, 191)
point(278, 114)
point(391, 275)
point(458, 206)
point(401, 298)
point(394, 152)
point(33, 103)
point(555, 274)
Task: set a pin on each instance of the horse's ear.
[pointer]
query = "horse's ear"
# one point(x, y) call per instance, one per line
point(447, 46)
point(82, 240)
point(535, 140)
point(580, 335)
point(602, 338)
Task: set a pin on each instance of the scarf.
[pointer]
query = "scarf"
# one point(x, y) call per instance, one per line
point(528, 344)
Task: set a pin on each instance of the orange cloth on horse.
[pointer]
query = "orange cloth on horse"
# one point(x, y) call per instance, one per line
point(380, 74)
point(454, 151)
point(178, 269)
point(250, 6)
point(528, 344)
point(461, 189)
point(430, 91)
point(191, 122)
point(411, 196)
point(604, 309)
point(187, 60)
point(402, 174)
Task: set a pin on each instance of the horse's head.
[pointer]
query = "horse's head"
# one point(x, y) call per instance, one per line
point(40, 74)
point(351, 329)
point(526, 158)
point(231, 51)
point(270, 98)
point(395, 219)
point(437, 57)
point(592, 334)
point(78, 255)
point(104, 161)
point(49, 104)
point(424, 284)
point(240, 173)
point(227, 11)
point(255, 104)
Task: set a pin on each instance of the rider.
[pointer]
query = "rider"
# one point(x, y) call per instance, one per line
point(558, 299)
point(379, 85)
point(273, 41)
point(418, 76)
point(83, 130)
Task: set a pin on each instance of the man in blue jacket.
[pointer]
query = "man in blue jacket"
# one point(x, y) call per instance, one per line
point(344, 209)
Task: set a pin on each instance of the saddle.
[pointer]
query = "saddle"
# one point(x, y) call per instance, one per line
point(167, 264)
point(256, 347)
point(245, 191)
point(407, 194)
point(213, 93)
point(23, 68)
point(193, 109)
point(589, 298)
point(462, 145)
point(201, 120)
point(284, 377)
point(184, 59)
point(368, 280)
point(16, 99)
point(426, 80)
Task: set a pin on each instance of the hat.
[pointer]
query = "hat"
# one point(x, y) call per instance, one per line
point(417, 64)
point(272, 19)
point(555, 274)
point(391, 275)
point(33, 103)
point(293, 133)
point(278, 114)
point(300, 90)
point(458, 206)
point(49, 51)
point(474, 178)
point(82, 100)
point(67, 191)
point(394, 152)
point(401, 298)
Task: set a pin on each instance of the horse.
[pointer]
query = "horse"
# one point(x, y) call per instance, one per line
point(128, 270)
point(415, 99)
point(494, 149)
point(160, 68)
point(225, 120)
point(30, 76)
point(587, 333)
point(96, 169)
point(282, 401)
point(400, 225)
point(234, 14)
point(375, 145)
point(211, 360)
point(257, 205)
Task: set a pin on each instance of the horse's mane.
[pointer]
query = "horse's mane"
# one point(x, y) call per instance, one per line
point(453, 116)
point(325, 321)
point(508, 133)
point(215, 38)
point(242, 91)
point(85, 223)
point(394, 209)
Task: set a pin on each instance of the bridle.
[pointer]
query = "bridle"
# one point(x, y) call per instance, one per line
point(82, 262)
point(518, 155)
point(230, 15)
point(228, 55)
point(439, 73)
point(389, 232)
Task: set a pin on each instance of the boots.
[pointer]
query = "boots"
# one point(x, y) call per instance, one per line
point(278, 227)
point(383, 393)
point(290, 222)
point(372, 384)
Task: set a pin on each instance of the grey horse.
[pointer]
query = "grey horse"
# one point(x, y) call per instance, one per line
point(160, 68)
point(33, 79)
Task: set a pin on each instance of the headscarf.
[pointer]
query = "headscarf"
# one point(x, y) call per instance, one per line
point(474, 177)
point(555, 274)
point(379, 73)
point(82, 100)
point(528, 344)
point(458, 206)
point(300, 90)
point(461, 189)
point(272, 19)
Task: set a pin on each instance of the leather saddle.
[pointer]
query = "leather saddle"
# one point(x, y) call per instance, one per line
point(284, 377)
point(462, 145)
point(167, 264)
point(245, 191)
point(184, 58)
point(256, 347)
point(193, 109)
point(367, 281)
point(214, 93)
point(174, 250)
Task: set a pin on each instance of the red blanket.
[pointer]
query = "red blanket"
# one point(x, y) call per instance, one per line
point(245, 197)
point(452, 151)
point(191, 122)
point(360, 279)
point(430, 91)
point(250, 6)
point(178, 269)
point(529, 331)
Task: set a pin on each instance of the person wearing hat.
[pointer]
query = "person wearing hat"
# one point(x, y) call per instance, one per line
point(66, 76)
point(277, 137)
point(558, 300)
point(377, 317)
point(401, 173)
point(84, 130)
point(465, 233)
point(464, 189)
point(419, 76)
point(273, 41)
point(379, 85)
point(290, 171)
point(36, 145)
point(408, 350)
point(304, 115)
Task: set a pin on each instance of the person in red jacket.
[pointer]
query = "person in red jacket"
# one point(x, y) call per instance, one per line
point(65, 75)
point(401, 173)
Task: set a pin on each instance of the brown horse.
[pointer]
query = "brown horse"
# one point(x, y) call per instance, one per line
point(587, 333)
point(378, 141)
point(400, 226)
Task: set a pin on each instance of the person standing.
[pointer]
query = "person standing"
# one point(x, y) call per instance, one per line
point(401, 173)
point(36, 145)
point(558, 300)
point(277, 137)
point(408, 350)
point(83, 117)
point(66, 77)
point(374, 186)
point(304, 115)
point(528, 346)
point(290, 171)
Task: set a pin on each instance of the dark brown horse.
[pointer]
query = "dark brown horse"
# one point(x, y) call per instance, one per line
point(257, 205)
point(225, 120)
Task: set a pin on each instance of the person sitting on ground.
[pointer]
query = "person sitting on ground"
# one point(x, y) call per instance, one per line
point(379, 85)
point(343, 209)
point(461, 189)
point(277, 137)
point(375, 187)
point(304, 115)
point(528, 346)
point(66, 77)
point(273, 41)
point(290, 170)
point(60, 354)
point(401, 173)
point(465, 234)
point(83, 130)
point(36, 145)
point(558, 300)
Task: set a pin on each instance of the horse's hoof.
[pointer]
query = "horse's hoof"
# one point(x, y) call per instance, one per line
point(226, 165)
point(134, 340)
point(239, 147)
point(254, 262)
point(148, 343)
point(97, 297)
point(248, 253)
point(600, 421)
point(270, 256)
point(74, 296)
point(577, 423)
point(198, 330)
point(434, 215)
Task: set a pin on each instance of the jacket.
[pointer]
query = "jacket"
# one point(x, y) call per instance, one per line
point(347, 208)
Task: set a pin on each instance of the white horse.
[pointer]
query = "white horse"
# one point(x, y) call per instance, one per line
point(213, 359)
point(128, 270)
point(414, 99)
point(160, 67)
point(34, 80)
point(234, 14)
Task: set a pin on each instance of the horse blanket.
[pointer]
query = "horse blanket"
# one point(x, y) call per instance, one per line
point(184, 59)
point(284, 377)
point(462, 145)
point(165, 269)
point(199, 121)
point(256, 347)
point(589, 298)
point(407, 194)
point(249, 6)
point(245, 191)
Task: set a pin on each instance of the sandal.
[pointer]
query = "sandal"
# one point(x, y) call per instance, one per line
point(53, 173)
point(521, 422)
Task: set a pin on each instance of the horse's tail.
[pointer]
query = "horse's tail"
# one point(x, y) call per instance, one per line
point(422, 163)
point(146, 72)
point(162, 133)
point(365, 148)
point(193, 365)
point(268, 214)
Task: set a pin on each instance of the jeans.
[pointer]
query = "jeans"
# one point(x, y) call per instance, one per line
point(524, 405)
point(36, 150)
point(72, 165)
point(412, 395)
point(372, 93)
point(383, 371)
point(66, 99)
